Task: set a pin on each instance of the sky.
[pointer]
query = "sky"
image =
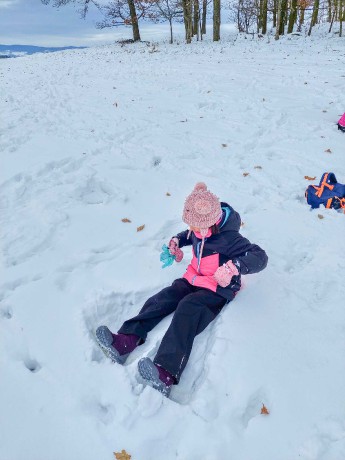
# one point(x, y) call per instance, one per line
point(29, 22)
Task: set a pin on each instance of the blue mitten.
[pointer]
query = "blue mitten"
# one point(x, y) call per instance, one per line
point(166, 257)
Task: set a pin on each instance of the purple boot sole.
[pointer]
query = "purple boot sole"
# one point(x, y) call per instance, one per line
point(105, 339)
point(150, 374)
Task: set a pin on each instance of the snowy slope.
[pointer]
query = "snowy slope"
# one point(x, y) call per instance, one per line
point(89, 137)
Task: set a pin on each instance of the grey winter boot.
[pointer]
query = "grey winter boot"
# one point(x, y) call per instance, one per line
point(152, 375)
point(117, 347)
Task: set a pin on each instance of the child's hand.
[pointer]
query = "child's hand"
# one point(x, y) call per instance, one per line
point(224, 274)
point(175, 250)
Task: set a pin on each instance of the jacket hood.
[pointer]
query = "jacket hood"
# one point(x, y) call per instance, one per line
point(231, 220)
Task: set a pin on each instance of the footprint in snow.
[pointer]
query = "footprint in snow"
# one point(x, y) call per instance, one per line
point(297, 260)
point(6, 312)
point(32, 365)
point(111, 310)
point(253, 407)
point(94, 192)
point(105, 413)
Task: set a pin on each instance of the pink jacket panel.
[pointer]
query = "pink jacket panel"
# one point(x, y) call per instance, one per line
point(208, 264)
point(204, 278)
point(193, 278)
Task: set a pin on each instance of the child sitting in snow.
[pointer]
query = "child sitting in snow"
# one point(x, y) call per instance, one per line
point(212, 279)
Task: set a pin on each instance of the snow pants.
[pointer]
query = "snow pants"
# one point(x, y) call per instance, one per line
point(193, 307)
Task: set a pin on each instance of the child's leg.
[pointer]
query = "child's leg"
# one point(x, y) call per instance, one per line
point(156, 308)
point(192, 316)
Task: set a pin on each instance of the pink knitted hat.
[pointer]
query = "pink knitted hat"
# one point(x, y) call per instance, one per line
point(201, 209)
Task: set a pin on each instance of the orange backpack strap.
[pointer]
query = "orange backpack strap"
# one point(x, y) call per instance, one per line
point(324, 184)
point(329, 202)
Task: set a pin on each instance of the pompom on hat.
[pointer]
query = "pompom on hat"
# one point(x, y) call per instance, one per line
point(202, 209)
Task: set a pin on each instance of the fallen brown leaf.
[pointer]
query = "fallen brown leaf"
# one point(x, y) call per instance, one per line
point(309, 178)
point(125, 220)
point(320, 216)
point(123, 455)
point(264, 410)
point(245, 174)
point(139, 229)
point(168, 194)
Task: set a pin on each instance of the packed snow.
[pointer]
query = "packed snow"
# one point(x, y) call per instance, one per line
point(91, 137)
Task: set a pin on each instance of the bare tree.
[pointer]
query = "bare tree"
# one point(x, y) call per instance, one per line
point(118, 12)
point(315, 15)
point(84, 4)
point(292, 16)
point(244, 13)
point(125, 12)
point(167, 10)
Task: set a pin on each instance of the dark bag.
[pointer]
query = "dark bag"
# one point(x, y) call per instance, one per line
point(329, 192)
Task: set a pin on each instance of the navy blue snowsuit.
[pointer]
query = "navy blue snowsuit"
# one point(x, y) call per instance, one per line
point(194, 307)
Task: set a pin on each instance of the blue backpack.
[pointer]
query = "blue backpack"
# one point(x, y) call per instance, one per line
point(329, 193)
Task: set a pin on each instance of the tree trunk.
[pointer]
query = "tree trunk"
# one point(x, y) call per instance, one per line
point(196, 17)
point(275, 13)
point(264, 17)
point(283, 14)
point(261, 8)
point(314, 16)
point(301, 19)
point(171, 32)
point(216, 20)
point(332, 20)
point(341, 17)
point(276, 37)
point(134, 20)
point(329, 11)
point(188, 22)
point(293, 16)
point(204, 13)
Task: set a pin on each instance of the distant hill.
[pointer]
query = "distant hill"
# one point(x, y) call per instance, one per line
point(21, 50)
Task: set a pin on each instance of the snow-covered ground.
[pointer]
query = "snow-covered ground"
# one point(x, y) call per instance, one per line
point(90, 137)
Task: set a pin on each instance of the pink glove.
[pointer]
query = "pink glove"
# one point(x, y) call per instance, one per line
point(175, 250)
point(224, 273)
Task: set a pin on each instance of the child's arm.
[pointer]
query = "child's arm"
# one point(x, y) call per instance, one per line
point(252, 261)
point(182, 239)
point(249, 258)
